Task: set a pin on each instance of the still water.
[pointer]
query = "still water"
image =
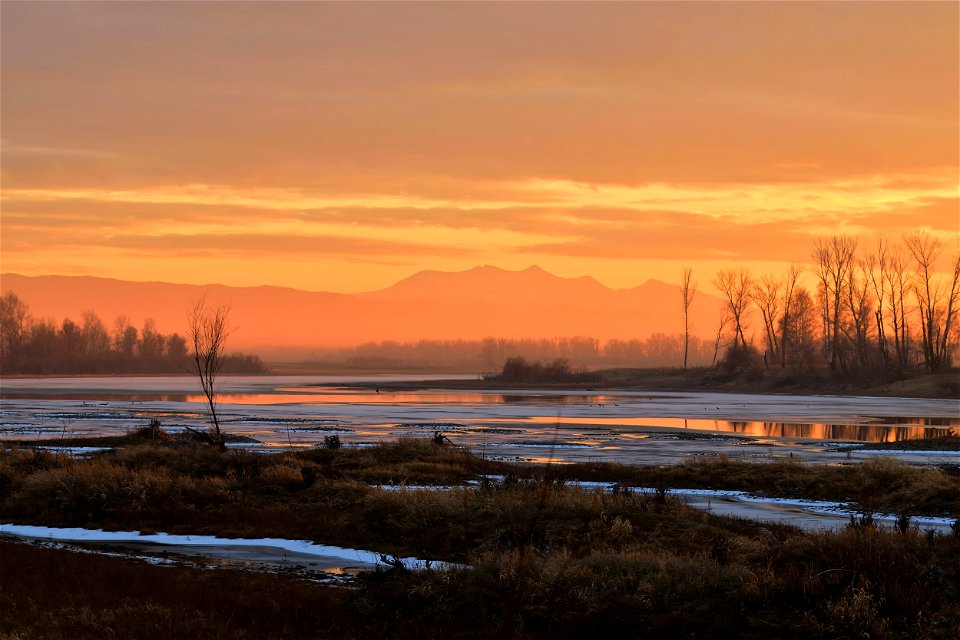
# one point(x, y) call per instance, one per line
point(532, 425)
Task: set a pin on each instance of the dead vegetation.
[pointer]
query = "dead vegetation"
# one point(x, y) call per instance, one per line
point(546, 560)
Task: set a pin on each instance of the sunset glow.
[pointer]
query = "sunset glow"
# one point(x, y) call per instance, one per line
point(341, 147)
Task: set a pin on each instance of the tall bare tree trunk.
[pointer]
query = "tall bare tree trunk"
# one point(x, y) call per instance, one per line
point(688, 289)
point(876, 267)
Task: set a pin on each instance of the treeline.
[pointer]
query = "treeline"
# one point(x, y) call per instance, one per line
point(30, 346)
point(489, 354)
point(881, 313)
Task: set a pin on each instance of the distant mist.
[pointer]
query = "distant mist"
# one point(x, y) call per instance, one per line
point(488, 355)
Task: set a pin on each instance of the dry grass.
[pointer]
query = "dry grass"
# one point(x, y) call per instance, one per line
point(852, 584)
point(549, 561)
point(58, 595)
point(880, 484)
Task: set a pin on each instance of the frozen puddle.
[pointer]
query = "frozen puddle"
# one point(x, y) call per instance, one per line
point(71, 451)
point(808, 515)
point(908, 452)
point(268, 554)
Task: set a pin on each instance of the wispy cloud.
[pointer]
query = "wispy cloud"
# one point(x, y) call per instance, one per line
point(429, 135)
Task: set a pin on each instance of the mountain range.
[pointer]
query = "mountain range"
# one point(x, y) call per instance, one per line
point(480, 302)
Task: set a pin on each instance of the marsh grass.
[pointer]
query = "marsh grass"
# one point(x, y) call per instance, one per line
point(547, 560)
point(851, 584)
point(880, 484)
point(59, 595)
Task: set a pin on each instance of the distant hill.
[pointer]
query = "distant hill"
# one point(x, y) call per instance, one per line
point(477, 303)
point(490, 285)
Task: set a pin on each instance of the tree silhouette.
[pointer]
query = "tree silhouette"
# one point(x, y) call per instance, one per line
point(688, 289)
point(209, 331)
point(735, 286)
point(937, 298)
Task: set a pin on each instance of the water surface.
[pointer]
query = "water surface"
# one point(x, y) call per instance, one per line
point(539, 425)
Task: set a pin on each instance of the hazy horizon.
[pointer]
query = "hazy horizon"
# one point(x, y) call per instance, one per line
point(641, 281)
point(430, 305)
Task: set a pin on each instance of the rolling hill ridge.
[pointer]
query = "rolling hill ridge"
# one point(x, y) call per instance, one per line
point(473, 304)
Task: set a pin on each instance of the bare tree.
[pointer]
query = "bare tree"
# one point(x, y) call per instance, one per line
point(735, 286)
point(898, 278)
point(96, 340)
point(765, 293)
point(789, 303)
point(859, 307)
point(937, 298)
point(876, 267)
point(13, 329)
point(688, 288)
point(798, 328)
point(721, 329)
point(832, 263)
point(209, 331)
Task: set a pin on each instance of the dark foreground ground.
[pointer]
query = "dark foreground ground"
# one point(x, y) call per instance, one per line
point(543, 560)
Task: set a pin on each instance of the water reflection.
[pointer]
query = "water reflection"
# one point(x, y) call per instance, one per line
point(551, 399)
point(857, 432)
point(306, 407)
point(302, 395)
point(94, 397)
point(929, 422)
point(902, 429)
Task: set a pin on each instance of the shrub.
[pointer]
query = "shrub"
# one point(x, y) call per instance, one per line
point(518, 369)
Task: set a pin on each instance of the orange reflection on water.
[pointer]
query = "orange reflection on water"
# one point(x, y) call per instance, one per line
point(867, 432)
point(344, 398)
point(300, 395)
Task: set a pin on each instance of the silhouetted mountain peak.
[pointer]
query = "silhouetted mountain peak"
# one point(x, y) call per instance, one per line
point(473, 304)
point(488, 283)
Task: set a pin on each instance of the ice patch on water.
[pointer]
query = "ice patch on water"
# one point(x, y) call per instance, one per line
point(93, 415)
point(154, 560)
point(415, 487)
point(39, 431)
point(538, 445)
point(256, 420)
point(907, 452)
point(295, 430)
point(415, 434)
point(72, 451)
point(495, 431)
point(431, 426)
point(76, 534)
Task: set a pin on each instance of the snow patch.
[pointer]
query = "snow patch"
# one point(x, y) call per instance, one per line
point(907, 452)
point(77, 534)
point(72, 451)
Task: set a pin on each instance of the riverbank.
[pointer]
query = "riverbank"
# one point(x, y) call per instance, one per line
point(944, 385)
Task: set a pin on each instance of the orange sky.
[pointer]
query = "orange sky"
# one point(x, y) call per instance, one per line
point(341, 147)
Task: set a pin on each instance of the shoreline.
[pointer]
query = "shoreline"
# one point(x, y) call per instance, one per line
point(775, 382)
